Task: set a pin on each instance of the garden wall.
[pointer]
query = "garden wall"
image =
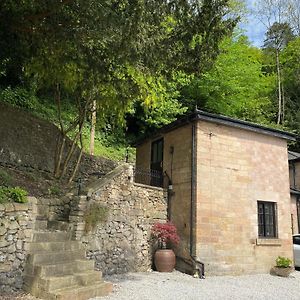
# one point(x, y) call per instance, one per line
point(122, 242)
point(16, 226)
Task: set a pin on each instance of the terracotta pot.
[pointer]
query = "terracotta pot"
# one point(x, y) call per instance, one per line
point(164, 260)
point(283, 272)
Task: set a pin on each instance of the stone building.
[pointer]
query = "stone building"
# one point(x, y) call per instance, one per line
point(294, 167)
point(228, 190)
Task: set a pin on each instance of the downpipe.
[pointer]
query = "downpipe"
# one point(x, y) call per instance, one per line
point(199, 267)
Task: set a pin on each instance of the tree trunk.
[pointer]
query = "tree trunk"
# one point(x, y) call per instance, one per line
point(78, 160)
point(82, 117)
point(283, 104)
point(93, 127)
point(279, 118)
point(61, 140)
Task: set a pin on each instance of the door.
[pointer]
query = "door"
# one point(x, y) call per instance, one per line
point(157, 149)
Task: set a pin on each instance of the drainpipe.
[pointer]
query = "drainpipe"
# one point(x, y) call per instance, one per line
point(294, 175)
point(193, 191)
point(199, 266)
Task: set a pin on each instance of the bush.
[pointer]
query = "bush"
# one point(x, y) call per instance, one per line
point(165, 234)
point(19, 97)
point(54, 190)
point(94, 215)
point(19, 195)
point(283, 262)
point(15, 194)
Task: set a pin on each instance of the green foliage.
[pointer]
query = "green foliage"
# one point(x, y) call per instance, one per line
point(54, 190)
point(278, 36)
point(94, 215)
point(5, 178)
point(19, 97)
point(283, 262)
point(13, 194)
point(236, 85)
point(4, 195)
point(290, 58)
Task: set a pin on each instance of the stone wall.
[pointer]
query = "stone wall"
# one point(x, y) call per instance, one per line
point(16, 225)
point(122, 242)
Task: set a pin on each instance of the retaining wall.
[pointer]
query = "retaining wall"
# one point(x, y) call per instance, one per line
point(121, 243)
point(16, 226)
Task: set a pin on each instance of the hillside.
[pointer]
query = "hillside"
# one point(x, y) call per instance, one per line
point(27, 150)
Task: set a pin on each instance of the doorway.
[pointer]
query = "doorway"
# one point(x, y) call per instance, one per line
point(157, 149)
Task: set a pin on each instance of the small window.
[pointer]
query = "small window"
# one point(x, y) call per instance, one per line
point(267, 227)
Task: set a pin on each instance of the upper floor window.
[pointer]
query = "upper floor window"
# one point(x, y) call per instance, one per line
point(267, 216)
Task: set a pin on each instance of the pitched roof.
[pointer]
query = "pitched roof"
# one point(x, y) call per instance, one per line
point(294, 192)
point(293, 155)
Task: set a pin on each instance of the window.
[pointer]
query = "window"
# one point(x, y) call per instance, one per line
point(267, 219)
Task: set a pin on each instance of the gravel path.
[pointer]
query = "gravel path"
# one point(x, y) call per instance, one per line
point(178, 286)
point(173, 286)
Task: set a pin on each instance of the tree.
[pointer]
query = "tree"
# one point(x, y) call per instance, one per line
point(108, 51)
point(277, 37)
point(290, 58)
point(236, 85)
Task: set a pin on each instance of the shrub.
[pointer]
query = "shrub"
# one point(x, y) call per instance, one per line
point(94, 215)
point(19, 97)
point(283, 262)
point(15, 194)
point(54, 190)
point(165, 234)
point(18, 194)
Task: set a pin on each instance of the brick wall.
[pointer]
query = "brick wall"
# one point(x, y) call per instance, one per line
point(236, 168)
point(178, 168)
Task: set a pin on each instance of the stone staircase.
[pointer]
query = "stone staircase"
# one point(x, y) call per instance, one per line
point(56, 267)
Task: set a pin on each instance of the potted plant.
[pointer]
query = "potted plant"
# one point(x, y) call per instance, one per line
point(283, 267)
point(165, 236)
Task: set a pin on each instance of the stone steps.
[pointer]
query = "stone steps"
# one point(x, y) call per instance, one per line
point(65, 268)
point(36, 247)
point(56, 267)
point(47, 257)
point(51, 236)
point(81, 292)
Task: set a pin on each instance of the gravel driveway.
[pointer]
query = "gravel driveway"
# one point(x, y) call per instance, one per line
point(178, 286)
point(173, 286)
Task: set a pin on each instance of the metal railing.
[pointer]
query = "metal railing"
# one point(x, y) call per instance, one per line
point(148, 177)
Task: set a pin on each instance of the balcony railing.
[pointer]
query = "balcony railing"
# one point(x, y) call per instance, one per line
point(148, 177)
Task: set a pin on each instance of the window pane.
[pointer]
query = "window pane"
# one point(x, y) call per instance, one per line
point(266, 219)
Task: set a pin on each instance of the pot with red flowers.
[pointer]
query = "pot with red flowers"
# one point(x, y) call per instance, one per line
point(165, 237)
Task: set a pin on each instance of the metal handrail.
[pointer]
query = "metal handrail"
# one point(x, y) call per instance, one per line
point(148, 177)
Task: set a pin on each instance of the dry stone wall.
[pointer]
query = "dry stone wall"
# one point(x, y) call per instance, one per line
point(121, 243)
point(16, 226)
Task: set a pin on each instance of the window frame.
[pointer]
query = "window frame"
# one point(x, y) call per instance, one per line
point(262, 226)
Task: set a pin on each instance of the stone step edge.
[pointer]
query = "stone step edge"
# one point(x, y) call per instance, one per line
point(75, 274)
point(66, 245)
point(66, 262)
point(80, 288)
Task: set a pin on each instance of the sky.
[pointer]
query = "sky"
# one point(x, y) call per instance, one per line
point(254, 29)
